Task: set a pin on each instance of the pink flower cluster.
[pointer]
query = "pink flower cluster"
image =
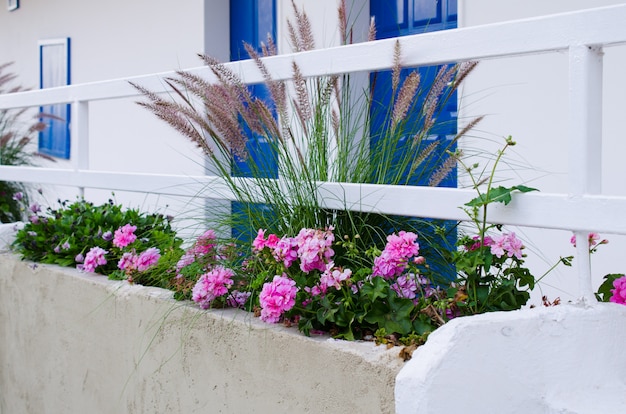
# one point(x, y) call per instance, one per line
point(277, 297)
point(94, 258)
point(260, 242)
point(212, 285)
point(124, 236)
point(619, 293)
point(312, 247)
point(395, 257)
point(487, 241)
point(130, 261)
point(237, 299)
point(334, 276)
point(205, 244)
point(593, 239)
point(405, 286)
point(506, 243)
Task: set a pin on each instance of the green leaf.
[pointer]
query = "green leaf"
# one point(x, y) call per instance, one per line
point(604, 291)
point(498, 195)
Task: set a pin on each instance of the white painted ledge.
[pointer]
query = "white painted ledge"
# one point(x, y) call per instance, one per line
point(568, 359)
point(79, 343)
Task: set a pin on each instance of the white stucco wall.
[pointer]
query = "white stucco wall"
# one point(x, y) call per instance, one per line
point(527, 98)
point(118, 39)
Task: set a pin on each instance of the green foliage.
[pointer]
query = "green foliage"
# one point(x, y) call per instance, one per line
point(360, 305)
point(59, 235)
point(490, 264)
point(498, 195)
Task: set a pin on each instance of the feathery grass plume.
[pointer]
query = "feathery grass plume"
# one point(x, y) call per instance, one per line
point(405, 97)
point(276, 88)
point(436, 91)
point(371, 33)
point(444, 169)
point(470, 125)
point(343, 22)
point(422, 156)
point(397, 67)
point(304, 28)
point(325, 132)
point(294, 41)
point(302, 101)
point(464, 70)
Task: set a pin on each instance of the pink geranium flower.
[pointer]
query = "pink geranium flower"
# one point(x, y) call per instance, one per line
point(286, 251)
point(277, 297)
point(507, 243)
point(94, 258)
point(405, 286)
point(237, 299)
point(212, 285)
point(148, 258)
point(394, 259)
point(619, 291)
point(127, 262)
point(260, 242)
point(314, 249)
point(334, 276)
point(124, 236)
point(204, 243)
point(592, 238)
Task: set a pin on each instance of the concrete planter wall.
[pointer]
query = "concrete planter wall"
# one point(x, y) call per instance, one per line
point(79, 343)
point(74, 343)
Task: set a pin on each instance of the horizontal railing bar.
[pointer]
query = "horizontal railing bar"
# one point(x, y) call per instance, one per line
point(545, 210)
point(602, 26)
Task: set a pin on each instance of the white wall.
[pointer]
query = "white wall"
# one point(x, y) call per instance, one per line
point(117, 39)
point(526, 97)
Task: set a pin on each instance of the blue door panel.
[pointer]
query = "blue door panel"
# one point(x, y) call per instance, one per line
point(401, 18)
point(251, 21)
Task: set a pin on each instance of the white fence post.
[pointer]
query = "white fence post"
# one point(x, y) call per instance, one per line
point(585, 131)
point(79, 146)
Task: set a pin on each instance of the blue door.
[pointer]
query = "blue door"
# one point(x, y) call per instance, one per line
point(251, 21)
point(407, 17)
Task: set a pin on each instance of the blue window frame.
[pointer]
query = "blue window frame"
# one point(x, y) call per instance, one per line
point(54, 70)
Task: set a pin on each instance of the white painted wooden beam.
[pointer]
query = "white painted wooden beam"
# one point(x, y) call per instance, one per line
point(544, 34)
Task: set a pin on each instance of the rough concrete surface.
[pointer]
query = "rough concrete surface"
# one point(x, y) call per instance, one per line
point(79, 343)
point(567, 359)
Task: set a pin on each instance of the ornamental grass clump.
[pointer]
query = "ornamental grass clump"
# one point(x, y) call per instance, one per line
point(313, 130)
point(17, 131)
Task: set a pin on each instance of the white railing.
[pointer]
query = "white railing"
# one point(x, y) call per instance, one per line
point(581, 34)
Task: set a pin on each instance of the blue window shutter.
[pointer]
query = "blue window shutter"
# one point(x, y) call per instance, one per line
point(54, 70)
